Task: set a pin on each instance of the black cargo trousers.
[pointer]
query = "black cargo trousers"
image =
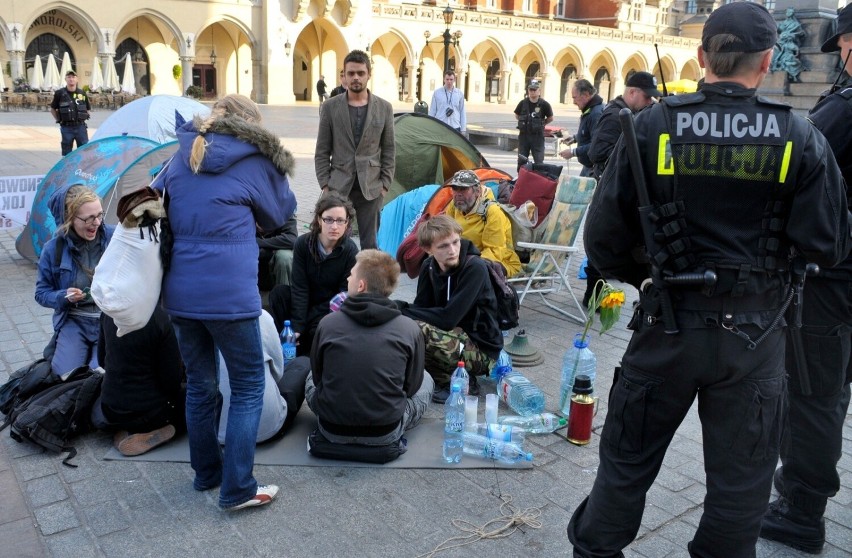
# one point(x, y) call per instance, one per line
point(741, 395)
point(813, 429)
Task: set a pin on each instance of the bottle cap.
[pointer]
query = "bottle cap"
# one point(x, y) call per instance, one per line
point(460, 364)
point(454, 387)
point(286, 323)
point(582, 384)
point(528, 457)
point(562, 422)
point(579, 342)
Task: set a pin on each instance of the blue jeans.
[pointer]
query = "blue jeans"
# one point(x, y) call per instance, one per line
point(240, 344)
point(70, 134)
point(76, 345)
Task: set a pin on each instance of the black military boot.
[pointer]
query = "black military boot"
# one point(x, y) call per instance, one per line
point(778, 481)
point(790, 526)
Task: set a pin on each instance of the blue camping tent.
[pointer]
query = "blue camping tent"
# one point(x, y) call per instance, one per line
point(98, 164)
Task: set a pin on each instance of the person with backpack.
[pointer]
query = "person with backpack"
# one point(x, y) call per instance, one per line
point(482, 220)
point(455, 305)
point(65, 270)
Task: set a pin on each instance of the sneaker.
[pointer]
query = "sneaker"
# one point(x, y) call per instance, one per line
point(473, 386)
point(265, 494)
point(137, 444)
point(787, 525)
point(441, 394)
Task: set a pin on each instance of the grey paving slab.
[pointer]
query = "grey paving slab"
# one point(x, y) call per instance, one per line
point(150, 509)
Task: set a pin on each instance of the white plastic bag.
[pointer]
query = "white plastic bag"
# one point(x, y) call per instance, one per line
point(127, 281)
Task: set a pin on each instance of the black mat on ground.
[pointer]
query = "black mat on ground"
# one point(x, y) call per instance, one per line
point(424, 450)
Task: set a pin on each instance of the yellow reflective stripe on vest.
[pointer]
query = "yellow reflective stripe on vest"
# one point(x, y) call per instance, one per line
point(665, 162)
point(785, 162)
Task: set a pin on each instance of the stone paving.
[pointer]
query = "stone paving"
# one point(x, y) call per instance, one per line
point(123, 509)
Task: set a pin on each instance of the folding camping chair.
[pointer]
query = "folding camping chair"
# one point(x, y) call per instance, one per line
point(553, 246)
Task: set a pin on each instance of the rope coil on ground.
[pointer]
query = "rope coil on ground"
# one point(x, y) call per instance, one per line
point(511, 520)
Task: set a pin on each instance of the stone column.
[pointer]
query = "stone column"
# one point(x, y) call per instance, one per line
point(17, 59)
point(412, 82)
point(503, 98)
point(276, 67)
point(186, 63)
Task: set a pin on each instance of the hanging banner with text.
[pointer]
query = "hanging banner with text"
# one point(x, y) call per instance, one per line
point(16, 199)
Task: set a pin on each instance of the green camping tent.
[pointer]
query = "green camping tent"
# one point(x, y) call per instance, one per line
point(428, 152)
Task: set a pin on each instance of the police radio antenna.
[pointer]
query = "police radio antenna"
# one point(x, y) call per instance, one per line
point(841, 72)
point(662, 77)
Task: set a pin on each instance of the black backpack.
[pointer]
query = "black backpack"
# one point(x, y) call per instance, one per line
point(52, 417)
point(24, 383)
point(508, 304)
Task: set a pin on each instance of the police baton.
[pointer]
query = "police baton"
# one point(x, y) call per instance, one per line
point(800, 272)
point(625, 115)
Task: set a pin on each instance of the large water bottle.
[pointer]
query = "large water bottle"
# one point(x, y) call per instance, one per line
point(462, 378)
point(491, 448)
point(523, 396)
point(542, 423)
point(288, 343)
point(579, 359)
point(503, 366)
point(453, 425)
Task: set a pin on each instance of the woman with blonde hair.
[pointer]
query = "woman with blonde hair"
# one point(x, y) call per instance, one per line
point(65, 271)
point(228, 178)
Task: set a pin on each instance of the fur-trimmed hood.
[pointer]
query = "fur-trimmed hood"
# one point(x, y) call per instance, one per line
point(230, 139)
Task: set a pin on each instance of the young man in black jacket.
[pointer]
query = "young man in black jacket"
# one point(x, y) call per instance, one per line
point(367, 384)
point(454, 305)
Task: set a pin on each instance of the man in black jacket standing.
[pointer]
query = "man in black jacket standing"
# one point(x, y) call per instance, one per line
point(734, 183)
point(367, 384)
point(818, 392)
point(591, 107)
point(70, 108)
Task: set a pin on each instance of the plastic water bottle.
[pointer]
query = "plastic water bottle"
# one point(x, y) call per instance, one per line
point(523, 396)
point(490, 448)
point(543, 423)
point(503, 366)
point(453, 425)
point(579, 359)
point(288, 343)
point(462, 378)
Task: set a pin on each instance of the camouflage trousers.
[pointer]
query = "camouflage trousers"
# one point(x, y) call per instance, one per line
point(442, 354)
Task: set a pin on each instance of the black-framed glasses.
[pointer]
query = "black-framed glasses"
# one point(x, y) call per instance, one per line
point(90, 220)
point(333, 221)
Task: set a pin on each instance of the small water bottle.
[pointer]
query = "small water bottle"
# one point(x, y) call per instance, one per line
point(579, 360)
point(288, 343)
point(454, 425)
point(462, 378)
point(542, 423)
point(523, 396)
point(491, 448)
point(503, 366)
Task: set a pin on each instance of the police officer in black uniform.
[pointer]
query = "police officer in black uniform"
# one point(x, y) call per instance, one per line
point(736, 181)
point(70, 107)
point(813, 433)
point(533, 113)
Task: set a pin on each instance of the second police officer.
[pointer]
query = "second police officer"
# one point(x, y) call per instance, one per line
point(819, 391)
point(736, 181)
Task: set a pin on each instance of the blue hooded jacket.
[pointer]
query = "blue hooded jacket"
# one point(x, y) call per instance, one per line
point(53, 280)
point(214, 215)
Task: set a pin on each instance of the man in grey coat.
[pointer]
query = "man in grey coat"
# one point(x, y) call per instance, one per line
point(355, 153)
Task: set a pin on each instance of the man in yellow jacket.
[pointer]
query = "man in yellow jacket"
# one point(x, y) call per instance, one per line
point(484, 224)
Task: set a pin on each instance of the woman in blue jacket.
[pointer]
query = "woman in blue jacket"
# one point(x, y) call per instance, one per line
point(65, 271)
point(228, 177)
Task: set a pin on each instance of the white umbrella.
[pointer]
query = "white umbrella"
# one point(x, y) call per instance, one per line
point(2, 81)
point(66, 65)
point(52, 81)
point(97, 76)
point(37, 75)
point(128, 82)
point(110, 75)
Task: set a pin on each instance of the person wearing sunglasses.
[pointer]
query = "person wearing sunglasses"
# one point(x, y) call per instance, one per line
point(322, 260)
point(65, 271)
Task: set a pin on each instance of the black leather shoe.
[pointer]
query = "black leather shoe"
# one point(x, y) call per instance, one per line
point(785, 524)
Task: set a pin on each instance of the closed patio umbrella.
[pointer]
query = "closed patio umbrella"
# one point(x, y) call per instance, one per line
point(37, 75)
point(110, 75)
point(128, 82)
point(52, 81)
point(97, 76)
point(66, 65)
